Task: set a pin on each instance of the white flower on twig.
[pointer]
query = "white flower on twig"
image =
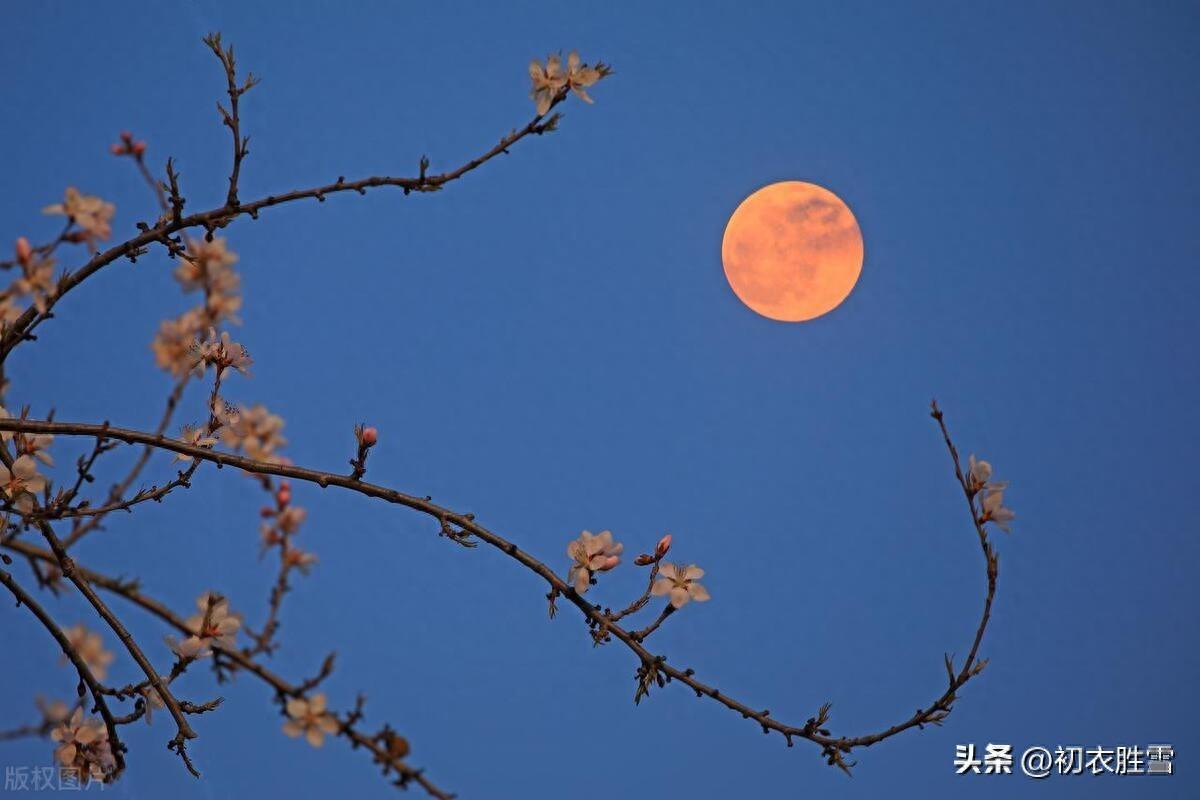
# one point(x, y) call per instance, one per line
point(309, 717)
point(222, 353)
point(256, 432)
point(90, 213)
point(680, 583)
point(215, 626)
point(198, 437)
point(21, 483)
point(992, 501)
point(995, 511)
point(547, 81)
point(209, 266)
point(90, 647)
point(173, 345)
point(83, 745)
point(580, 76)
point(591, 554)
point(151, 699)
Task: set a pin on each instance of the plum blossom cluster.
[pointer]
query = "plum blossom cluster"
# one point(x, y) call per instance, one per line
point(550, 79)
point(215, 625)
point(593, 554)
point(205, 266)
point(256, 432)
point(21, 484)
point(34, 283)
point(91, 214)
point(90, 647)
point(991, 494)
point(83, 746)
point(590, 555)
point(680, 584)
point(128, 146)
point(222, 354)
point(310, 718)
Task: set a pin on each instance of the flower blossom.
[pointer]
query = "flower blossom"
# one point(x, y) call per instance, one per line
point(36, 278)
point(54, 712)
point(995, 511)
point(90, 213)
point(198, 437)
point(36, 445)
point(591, 554)
point(21, 483)
point(547, 81)
point(222, 353)
point(151, 699)
point(309, 717)
point(580, 75)
point(992, 492)
point(209, 266)
point(83, 745)
point(90, 647)
point(680, 583)
point(172, 345)
point(257, 433)
point(217, 626)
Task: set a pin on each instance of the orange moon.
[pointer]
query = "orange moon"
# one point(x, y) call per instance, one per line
point(792, 251)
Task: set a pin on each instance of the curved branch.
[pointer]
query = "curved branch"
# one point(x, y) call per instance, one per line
point(85, 673)
point(131, 592)
point(653, 668)
point(69, 570)
point(220, 217)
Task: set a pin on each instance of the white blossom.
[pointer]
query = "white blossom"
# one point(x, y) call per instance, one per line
point(91, 213)
point(995, 511)
point(222, 353)
point(220, 628)
point(680, 583)
point(83, 745)
point(992, 493)
point(309, 717)
point(580, 76)
point(256, 432)
point(591, 554)
point(90, 647)
point(547, 81)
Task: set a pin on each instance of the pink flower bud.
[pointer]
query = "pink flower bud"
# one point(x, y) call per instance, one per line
point(664, 544)
point(284, 496)
point(24, 251)
point(117, 149)
point(644, 560)
point(138, 148)
point(126, 136)
point(369, 437)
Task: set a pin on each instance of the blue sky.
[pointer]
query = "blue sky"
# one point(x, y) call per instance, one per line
point(552, 345)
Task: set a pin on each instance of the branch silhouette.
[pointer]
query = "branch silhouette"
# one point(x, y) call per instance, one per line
point(30, 503)
point(653, 668)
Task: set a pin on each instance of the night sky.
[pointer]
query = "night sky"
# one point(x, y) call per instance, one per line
point(551, 344)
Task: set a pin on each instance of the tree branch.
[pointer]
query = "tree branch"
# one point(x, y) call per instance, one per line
point(216, 218)
point(652, 668)
point(374, 743)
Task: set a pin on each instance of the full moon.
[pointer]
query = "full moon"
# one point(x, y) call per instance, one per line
point(792, 251)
